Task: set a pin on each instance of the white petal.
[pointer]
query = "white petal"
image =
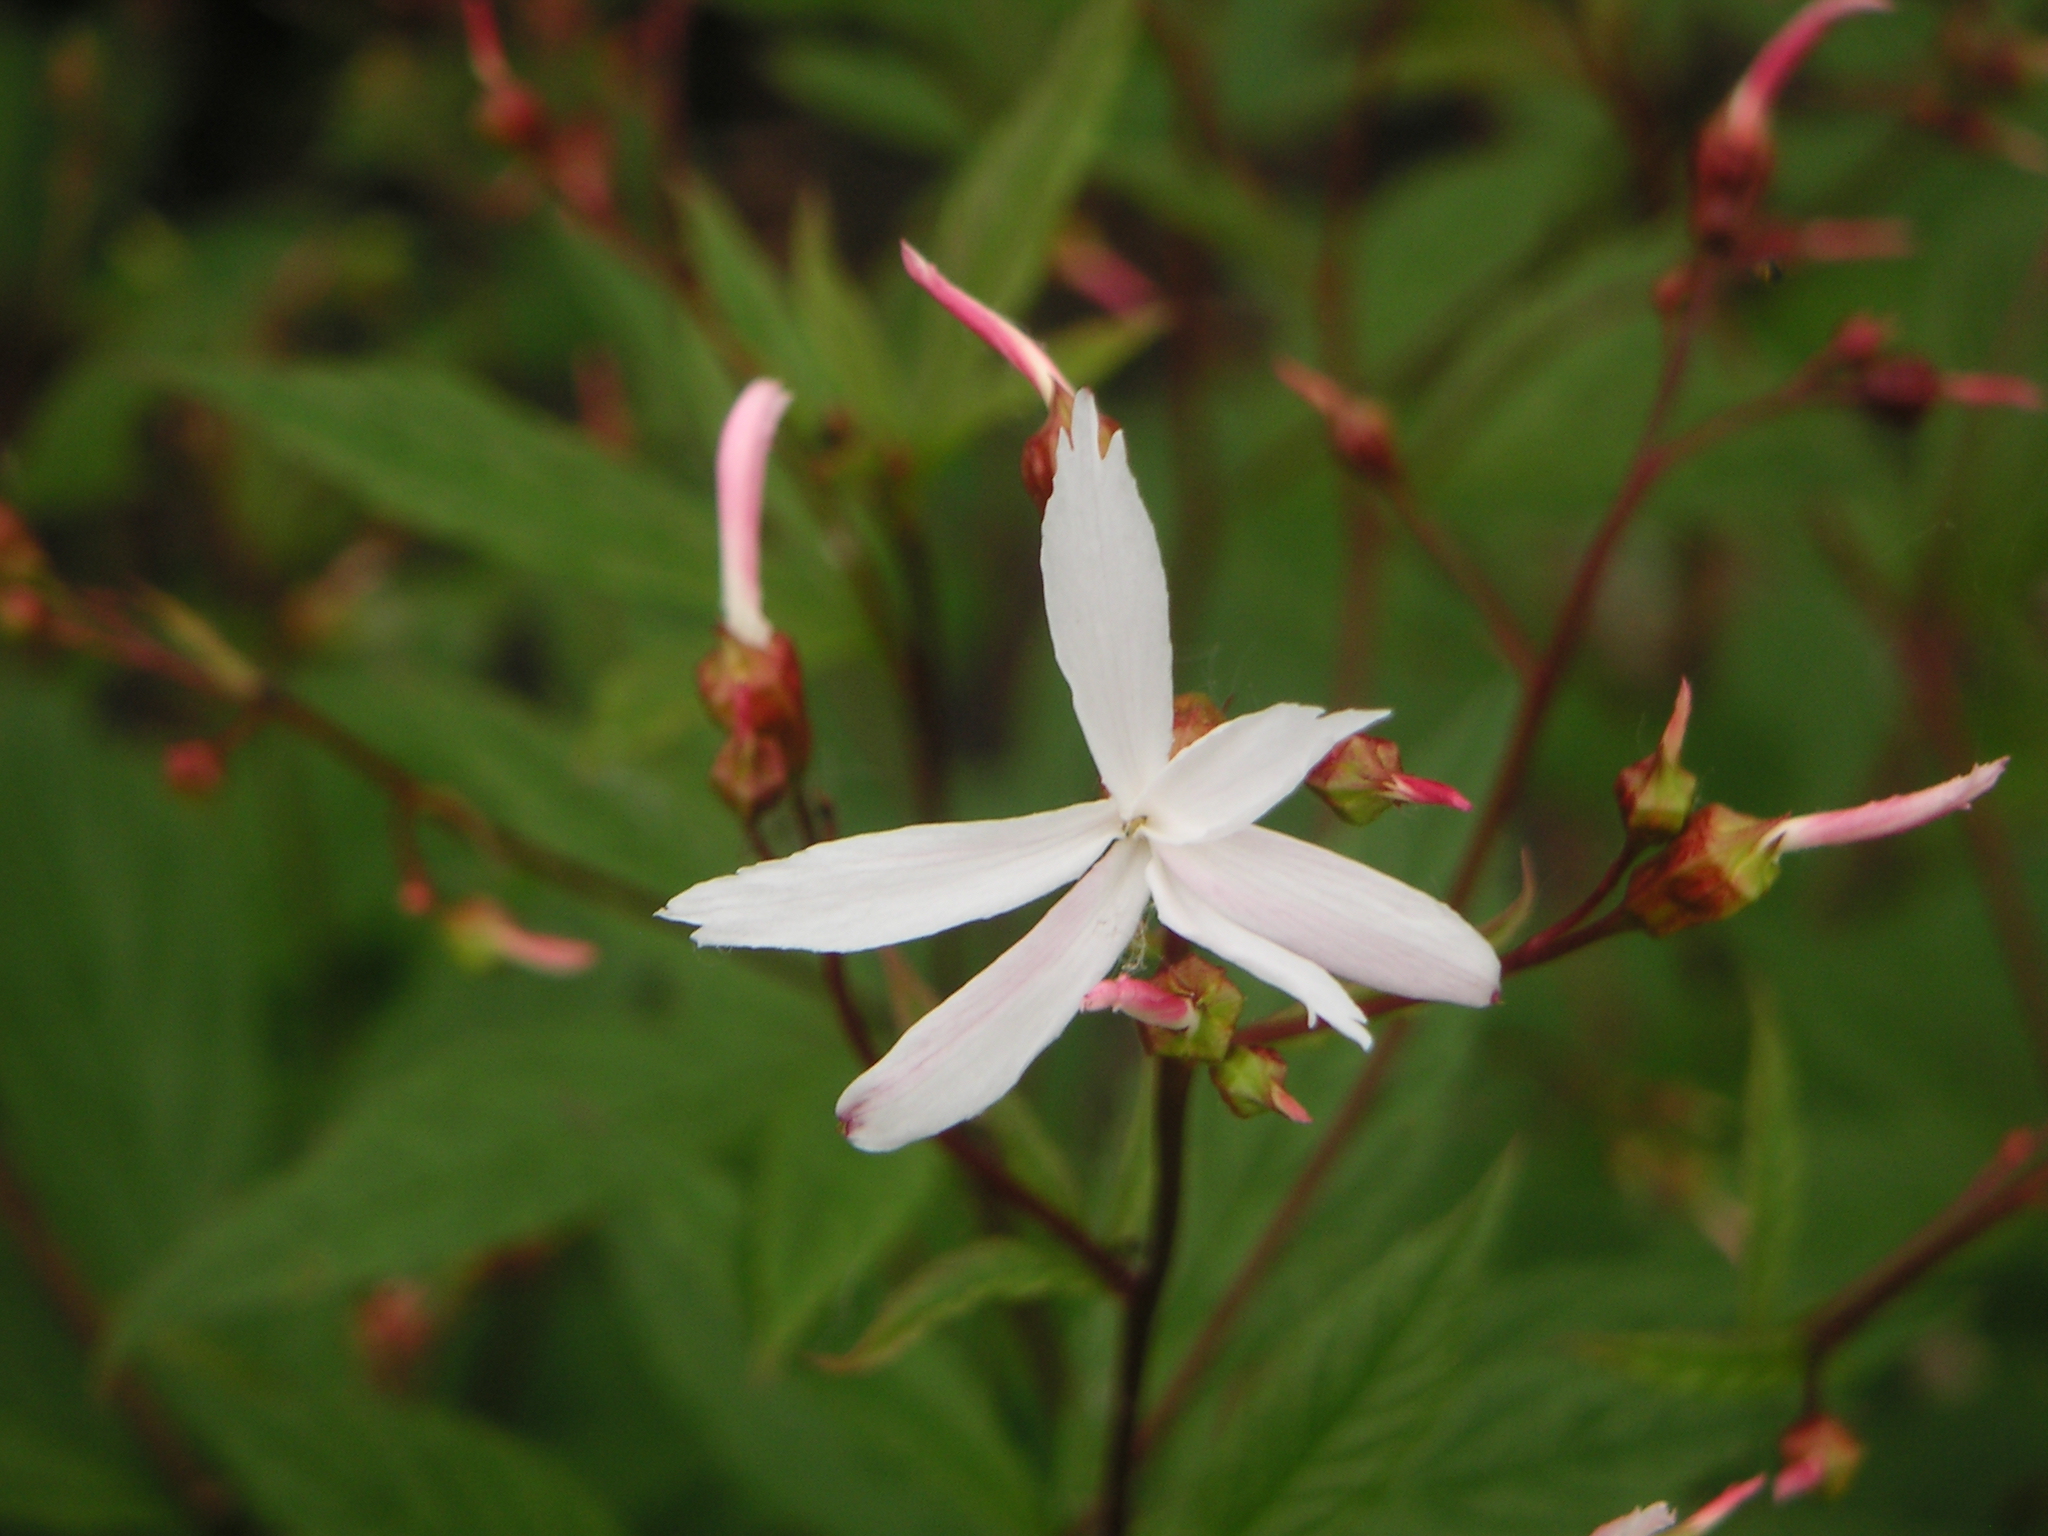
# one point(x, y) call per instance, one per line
point(1105, 598)
point(1194, 919)
point(1242, 769)
point(1351, 920)
point(971, 1049)
point(890, 887)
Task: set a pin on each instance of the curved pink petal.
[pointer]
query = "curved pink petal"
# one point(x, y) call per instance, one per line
point(743, 445)
point(971, 1049)
point(1010, 343)
point(1885, 818)
point(1195, 920)
point(1234, 775)
point(1749, 105)
point(1145, 1001)
point(1105, 601)
point(890, 887)
point(1348, 918)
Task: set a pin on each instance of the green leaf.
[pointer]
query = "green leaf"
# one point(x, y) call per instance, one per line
point(875, 91)
point(51, 1485)
point(1336, 1414)
point(1773, 1168)
point(322, 1462)
point(447, 458)
point(823, 1214)
point(489, 1141)
point(998, 219)
point(993, 1269)
point(747, 292)
point(679, 388)
point(841, 324)
point(1702, 1364)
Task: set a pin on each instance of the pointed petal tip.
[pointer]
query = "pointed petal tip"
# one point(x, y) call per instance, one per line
point(1291, 1107)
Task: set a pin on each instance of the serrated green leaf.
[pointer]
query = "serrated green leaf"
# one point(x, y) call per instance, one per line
point(822, 1215)
point(1335, 1414)
point(50, 1485)
point(840, 323)
point(334, 1463)
point(486, 1142)
point(998, 219)
point(747, 292)
point(994, 1269)
point(1702, 1364)
point(448, 458)
point(1773, 1168)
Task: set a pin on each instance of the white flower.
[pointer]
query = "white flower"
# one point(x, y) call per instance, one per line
point(1176, 833)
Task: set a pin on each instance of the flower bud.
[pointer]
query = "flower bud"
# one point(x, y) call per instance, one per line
point(1860, 340)
point(756, 692)
point(194, 769)
point(1720, 863)
point(1195, 715)
point(22, 612)
point(1899, 390)
point(416, 896)
point(481, 933)
point(1253, 1080)
point(394, 1325)
point(1361, 777)
point(1041, 449)
point(512, 117)
point(1146, 1001)
point(1216, 1002)
point(1656, 794)
point(1819, 1452)
point(1360, 432)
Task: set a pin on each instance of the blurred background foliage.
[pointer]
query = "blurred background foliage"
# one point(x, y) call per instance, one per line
point(325, 1231)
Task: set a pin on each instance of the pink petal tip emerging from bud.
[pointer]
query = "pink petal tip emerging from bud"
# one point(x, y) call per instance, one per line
point(1642, 1522)
point(1886, 818)
point(1722, 1505)
point(1673, 739)
point(480, 926)
point(1749, 105)
point(1426, 792)
point(1991, 389)
point(743, 446)
point(1145, 1001)
point(1010, 343)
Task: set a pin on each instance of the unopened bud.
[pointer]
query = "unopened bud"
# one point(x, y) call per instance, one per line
point(482, 934)
point(1674, 290)
point(1041, 449)
point(1899, 390)
point(1195, 715)
point(1253, 1080)
point(1361, 778)
point(194, 769)
point(416, 895)
point(1720, 863)
point(22, 612)
point(1731, 167)
point(1819, 1452)
point(1656, 794)
point(1217, 1003)
point(757, 693)
point(512, 117)
point(1360, 431)
point(1146, 1001)
point(1860, 339)
point(394, 1325)
point(1991, 389)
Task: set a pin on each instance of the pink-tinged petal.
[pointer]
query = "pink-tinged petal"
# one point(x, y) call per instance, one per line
point(1672, 742)
point(1885, 818)
point(971, 1049)
point(1242, 769)
point(1105, 601)
point(743, 446)
point(1643, 1522)
point(890, 887)
point(483, 931)
point(1414, 791)
point(1722, 1505)
point(1351, 920)
point(1010, 343)
point(1749, 105)
point(1096, 272)
point(1145, 1001)
point(1798, 1480)
point(1996, 389)
point(1195, 920)
point(1853, 240)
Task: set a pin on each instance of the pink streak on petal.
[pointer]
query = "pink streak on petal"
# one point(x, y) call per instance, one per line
point(1886, 818)
point(1010, 343)
point(1722, 1505)
point(743, 446)
point(1749, 106)
point(1416, 791)
point(1801, 1478)
point(1673, 738)
point(1142, 1000)
point(1642, 1522)
point(1991, 389)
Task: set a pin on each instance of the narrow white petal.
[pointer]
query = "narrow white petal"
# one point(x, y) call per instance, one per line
point(1302, 979)
point(1105, 599)
point(971, 1049)
point(1352, 920)
point(1242, 769)
point(890, 887)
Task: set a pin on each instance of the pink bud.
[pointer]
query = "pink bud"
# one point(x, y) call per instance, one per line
point(1978, 389)
point(1010, 343)
point(743, 446)
point(1818, 1452)
point(1885, 818)
point(416, 895)
point(1145, 1001)
point(1359, 430)
point(1361, 776)
point(1747, 115)
point(394, 1325)
point(482, 933)
point(1860, 339)
point(1722, 1505)
point(1656, 793)
point(486, 47)
point(194, 768)
point(1096, 272)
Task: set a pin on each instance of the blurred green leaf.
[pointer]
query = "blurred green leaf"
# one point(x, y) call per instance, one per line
point(450, 459)
point(1702, 1364)
point(822, 1216)
point(328, 1462)
point(1773, 1167)
point(50, 1485)
point(747, 293)
point(841, 324)
point(876, 91)
point(80, 449)
point(1331, 1419)
point(490, 1141)
point(994, 1269)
